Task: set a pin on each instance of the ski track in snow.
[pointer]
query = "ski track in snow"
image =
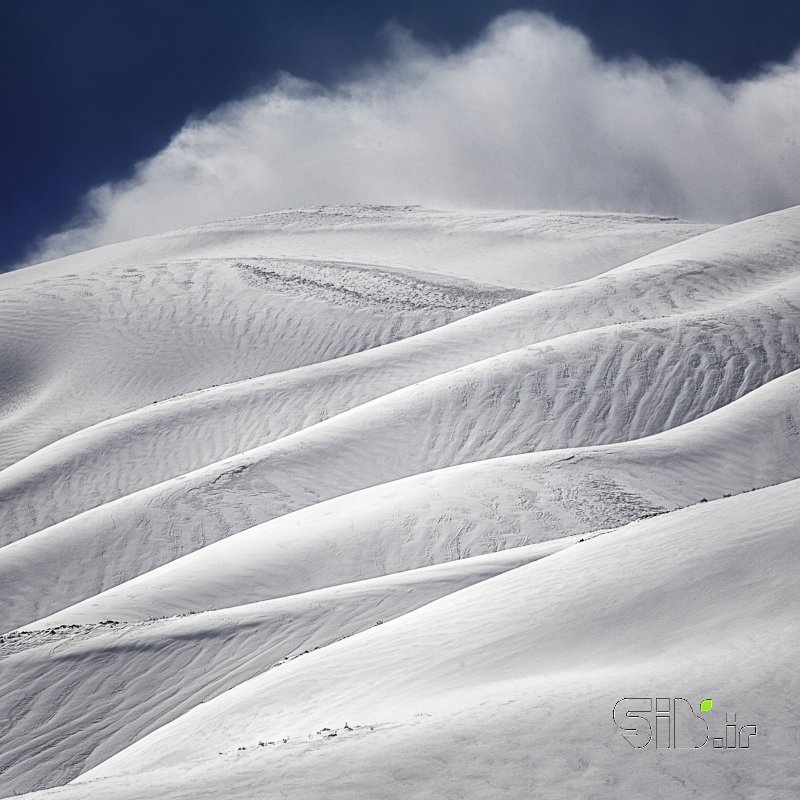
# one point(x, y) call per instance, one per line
point(369, 501)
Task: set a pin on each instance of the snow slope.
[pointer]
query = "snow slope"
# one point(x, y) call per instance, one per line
point(532, 251)
point(100, 341)
point(473, 509)
point(609, 618)
point(524, 707)
point(295, 426)
point(598, 386)
point(209, 319)
point(161, 669)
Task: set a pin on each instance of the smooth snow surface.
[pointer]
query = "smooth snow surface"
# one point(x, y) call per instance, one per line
point(387, 502)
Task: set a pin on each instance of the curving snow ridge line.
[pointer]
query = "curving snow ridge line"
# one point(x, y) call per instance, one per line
point(106, 341)
point(108, 331)
point(474, 509)
point(582, 626)
point(105, 461)
point(412, 483)
point(597, 386)
point(530, 251)
point(167, 666)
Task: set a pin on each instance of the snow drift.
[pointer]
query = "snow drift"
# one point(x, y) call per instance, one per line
point(388, 500)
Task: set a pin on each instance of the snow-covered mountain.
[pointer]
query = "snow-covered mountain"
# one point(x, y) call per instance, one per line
point(362, 502)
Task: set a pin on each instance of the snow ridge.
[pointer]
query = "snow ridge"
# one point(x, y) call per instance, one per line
point(350, 500)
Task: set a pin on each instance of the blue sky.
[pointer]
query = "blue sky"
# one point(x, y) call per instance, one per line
point(90, 88)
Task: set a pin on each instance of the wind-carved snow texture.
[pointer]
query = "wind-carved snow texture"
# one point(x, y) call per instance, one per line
point(357, 286)
point(379, 501)
point(132, 336)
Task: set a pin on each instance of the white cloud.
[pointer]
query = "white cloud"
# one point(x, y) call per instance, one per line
point(528, 117)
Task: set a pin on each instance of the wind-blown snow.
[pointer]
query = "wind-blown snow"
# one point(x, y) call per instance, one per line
point(527, 116)
point(556, 456)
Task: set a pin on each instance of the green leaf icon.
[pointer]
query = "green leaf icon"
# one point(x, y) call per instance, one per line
point(705, 705)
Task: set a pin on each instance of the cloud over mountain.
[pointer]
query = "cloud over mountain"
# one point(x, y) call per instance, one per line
point(529, 116)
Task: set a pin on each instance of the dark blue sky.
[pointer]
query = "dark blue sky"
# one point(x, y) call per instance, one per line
point(91, 86)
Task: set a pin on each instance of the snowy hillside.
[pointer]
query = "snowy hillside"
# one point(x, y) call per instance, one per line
point(363, 502)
